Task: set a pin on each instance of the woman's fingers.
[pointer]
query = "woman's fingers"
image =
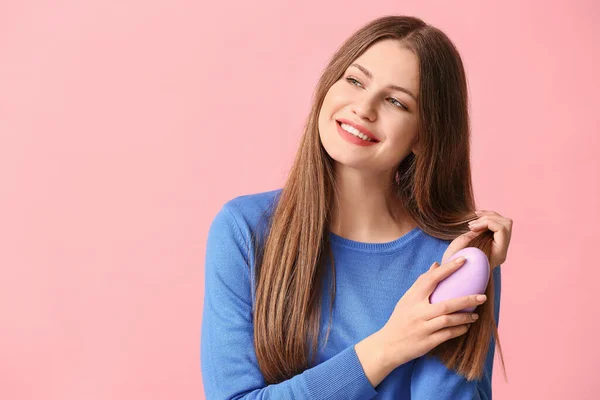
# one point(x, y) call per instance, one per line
point(459, 243)
point(430, 279)
point(446, 320)
point(434, 266)
point(451, 306)
point(502, 228)
point(439, 337)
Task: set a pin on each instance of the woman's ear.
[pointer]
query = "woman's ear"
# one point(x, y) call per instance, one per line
point(417, 147)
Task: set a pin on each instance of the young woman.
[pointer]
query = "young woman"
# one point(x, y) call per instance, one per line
point(320, 289)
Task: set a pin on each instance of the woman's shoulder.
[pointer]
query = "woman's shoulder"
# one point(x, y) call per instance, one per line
point(249, 206)
point(249, 211)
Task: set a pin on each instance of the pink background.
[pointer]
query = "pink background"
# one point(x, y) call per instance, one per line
point(125, 125)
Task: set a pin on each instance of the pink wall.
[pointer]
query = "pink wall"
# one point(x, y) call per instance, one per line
point(124, 127)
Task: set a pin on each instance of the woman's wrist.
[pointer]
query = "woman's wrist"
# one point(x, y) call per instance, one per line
point(375, 357)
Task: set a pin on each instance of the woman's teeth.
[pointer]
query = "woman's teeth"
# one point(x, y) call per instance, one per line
point(353, 131)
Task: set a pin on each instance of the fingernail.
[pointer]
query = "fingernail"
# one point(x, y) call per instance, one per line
point(478, 212)
point(474, 316)
point(481, 297)
point(460, 260)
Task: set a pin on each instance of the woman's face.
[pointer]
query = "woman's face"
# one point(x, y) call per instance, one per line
point(369, 103)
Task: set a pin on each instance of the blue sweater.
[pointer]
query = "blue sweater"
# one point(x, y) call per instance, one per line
point(371, 279)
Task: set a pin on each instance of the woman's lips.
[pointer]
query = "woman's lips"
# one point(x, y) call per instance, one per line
point(351, 138)
point(359, 128)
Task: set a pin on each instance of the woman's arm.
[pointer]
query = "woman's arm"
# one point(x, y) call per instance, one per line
point(431, 379)
point(228, 361)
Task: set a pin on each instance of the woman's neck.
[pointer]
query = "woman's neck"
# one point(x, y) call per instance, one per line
point(362, 209)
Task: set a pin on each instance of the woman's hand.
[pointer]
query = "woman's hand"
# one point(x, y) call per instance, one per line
point(502, 228)
point(416, 326)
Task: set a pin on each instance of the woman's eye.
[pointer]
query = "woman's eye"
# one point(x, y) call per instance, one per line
point(397, 103)
point(350, 79)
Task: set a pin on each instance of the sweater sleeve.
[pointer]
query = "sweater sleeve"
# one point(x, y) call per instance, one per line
point(228, 361)
point(431, 379)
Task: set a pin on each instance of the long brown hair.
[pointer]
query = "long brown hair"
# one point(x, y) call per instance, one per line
point(434, 187)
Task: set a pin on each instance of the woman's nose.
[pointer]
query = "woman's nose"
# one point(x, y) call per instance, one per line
point(365, 108)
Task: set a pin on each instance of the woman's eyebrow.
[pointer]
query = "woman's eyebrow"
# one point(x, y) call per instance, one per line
point(370, 75)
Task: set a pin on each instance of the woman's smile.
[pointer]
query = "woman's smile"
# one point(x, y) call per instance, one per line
point(355, 137)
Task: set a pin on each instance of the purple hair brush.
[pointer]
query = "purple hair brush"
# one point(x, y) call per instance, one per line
point(471, 278)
